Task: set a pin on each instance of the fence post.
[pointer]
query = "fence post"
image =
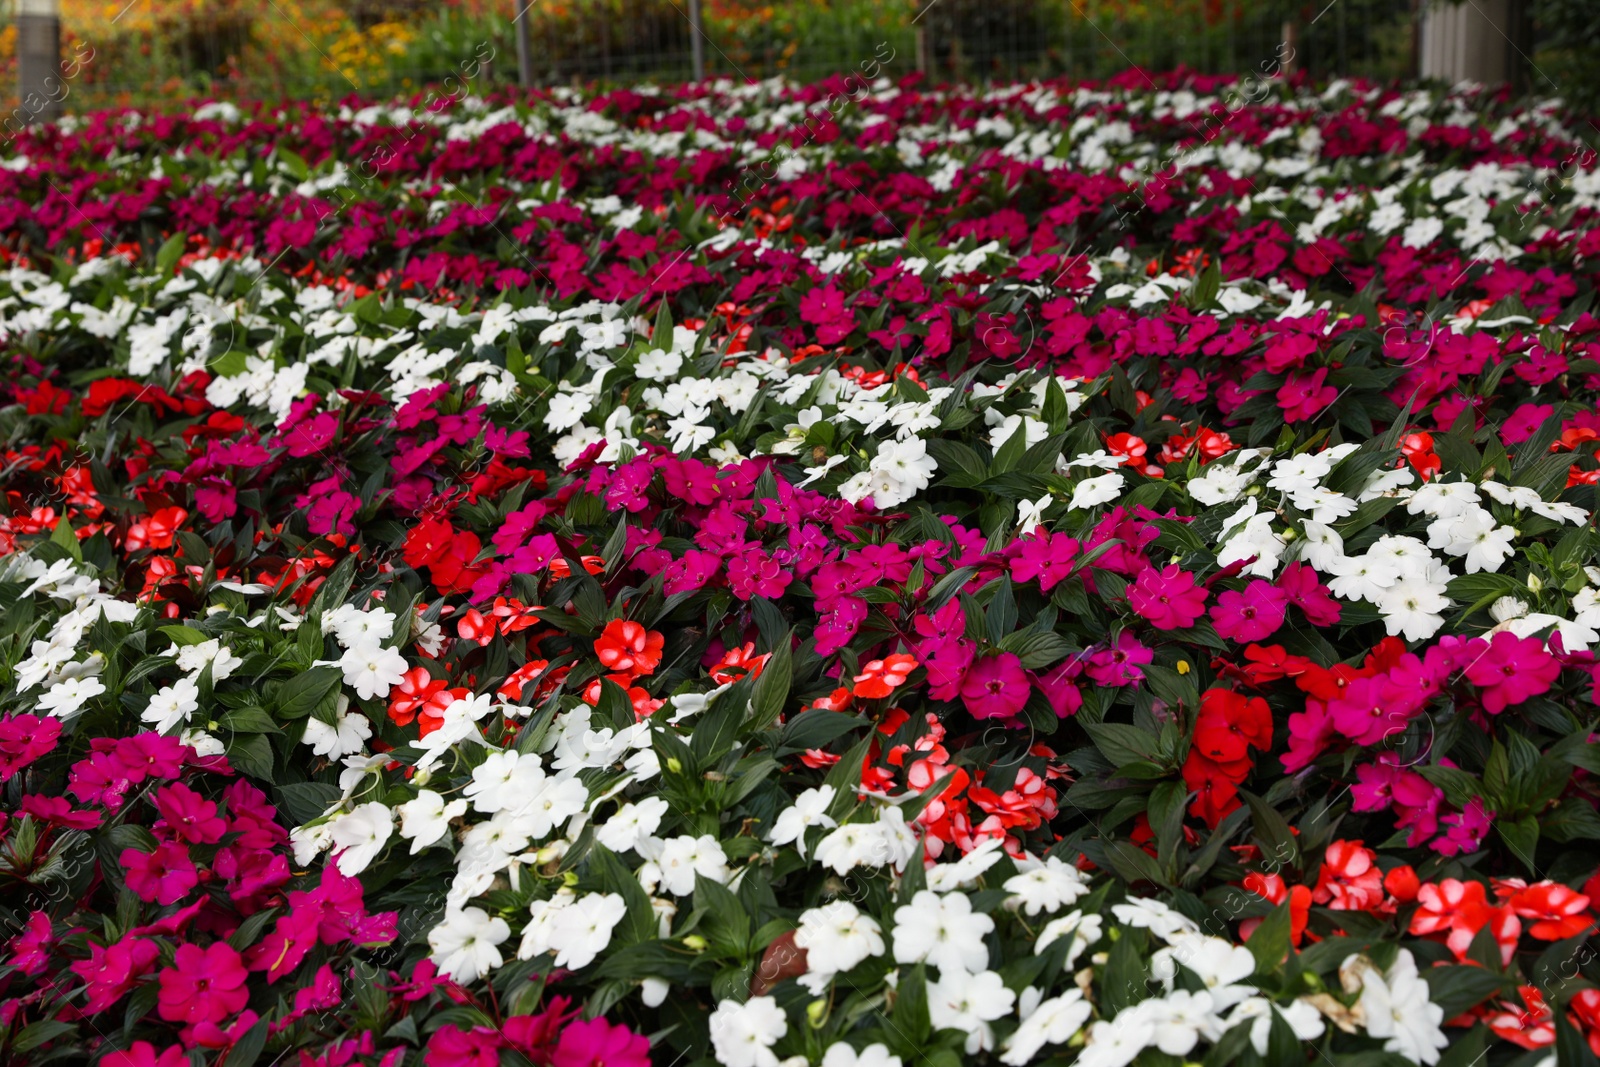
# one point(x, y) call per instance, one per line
point(1291, 48)
point(697, 40)
point(39, 88)
point(524, 46)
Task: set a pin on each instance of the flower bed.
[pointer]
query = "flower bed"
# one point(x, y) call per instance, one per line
point(844, 575)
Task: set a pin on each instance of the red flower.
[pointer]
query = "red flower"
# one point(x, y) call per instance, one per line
point(1458, 910)
point(738, 662)
point(1349, 879)
point(414, 690)
point(626, 647)
point(881, 677)
point(1560, 912)
point(156, 531)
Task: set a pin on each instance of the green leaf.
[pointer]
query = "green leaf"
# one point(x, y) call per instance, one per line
point(1458, 988)
point(301, 695)
point(772, 688)
point(1269, 944)
point(1122, 743)
point(67, 539)
point(170, 252)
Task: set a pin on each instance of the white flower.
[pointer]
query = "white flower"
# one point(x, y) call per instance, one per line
point(351, 626)
point(567, 410)
point(836, 938)
point(1154, 916)
point(942, 931)
point(810, 809)
point(683, 857)
point(1218, 963)
point(172, 704)
point(358, 837)
point(970, 1003)
point(632, 824)
point(657, 366)
point(908, 463)
point(1052, 1022)
point(965, 872)
point(66, 698)
point(426, 819)
point(1396, 1007)
point(1302, 1018)
point(877, 1054)
point(336, 742)
point(502, 780)
point(372, 670)
point(1180, 1019)
point(203, 743)
point(1049, 887)
point(465, 944)
point(1092, 492)
point(1116, 1043)
point(585, 929)
point(1084, 930)
point(1031, 512)
point(193, 659)
point(309, 842)
point(1413, 606)
point(742, 1035)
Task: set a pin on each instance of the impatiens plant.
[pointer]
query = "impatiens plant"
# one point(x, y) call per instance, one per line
point(1046, 578)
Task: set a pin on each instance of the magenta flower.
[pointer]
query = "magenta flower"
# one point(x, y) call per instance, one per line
point(57, 811)
point(1304, 396)
point(995, 687)
point(1169, 599)
point(30, 949)
point(188, 816)
point(1465, 831)
point(203, 985)
point(143, 1054)
point(1512, 669)
point(164, 876)
point(597, 1043)
point(690, 573)
point(1253, 615)
point(450, 1046)
point(1044, 557)
point(1305, 590)
point(753, 573)
point(1120, 664)
point(1059, 688)
point(23, 739)
point(112, 970)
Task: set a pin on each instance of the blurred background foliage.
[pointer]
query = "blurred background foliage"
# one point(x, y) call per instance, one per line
point(148, 51)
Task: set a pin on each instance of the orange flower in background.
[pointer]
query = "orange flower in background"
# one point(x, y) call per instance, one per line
point(738, 662)
point(514, 688)
point(156, 531)
point(881, 677)
point(626, 647)
point(1418, 451)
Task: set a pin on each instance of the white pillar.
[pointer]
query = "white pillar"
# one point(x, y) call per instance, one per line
point(40, 89)
point(1467, 40)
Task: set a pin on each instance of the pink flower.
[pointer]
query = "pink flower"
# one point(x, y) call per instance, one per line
point(164, 876)
point(1466, 830)
point(1512, 669)
point(1252, 615)
point(111, 971)
point(57, 811)
point(321, 994)
point(1059, 689)
point(690, 573)
point(188, 816)
point(995, 687)
point(1044, 557)
point(1304, 396)
point(1304, 589)
point(30, 949)
point(203, 985)
point(23, 739)
point(450, 1046)
point(597, 1043)
point(143, 1054)
point(1120, 664)
point(1169, 599)
point(753, 573)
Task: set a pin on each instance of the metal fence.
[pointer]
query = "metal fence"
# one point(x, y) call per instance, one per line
point(161, 50)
